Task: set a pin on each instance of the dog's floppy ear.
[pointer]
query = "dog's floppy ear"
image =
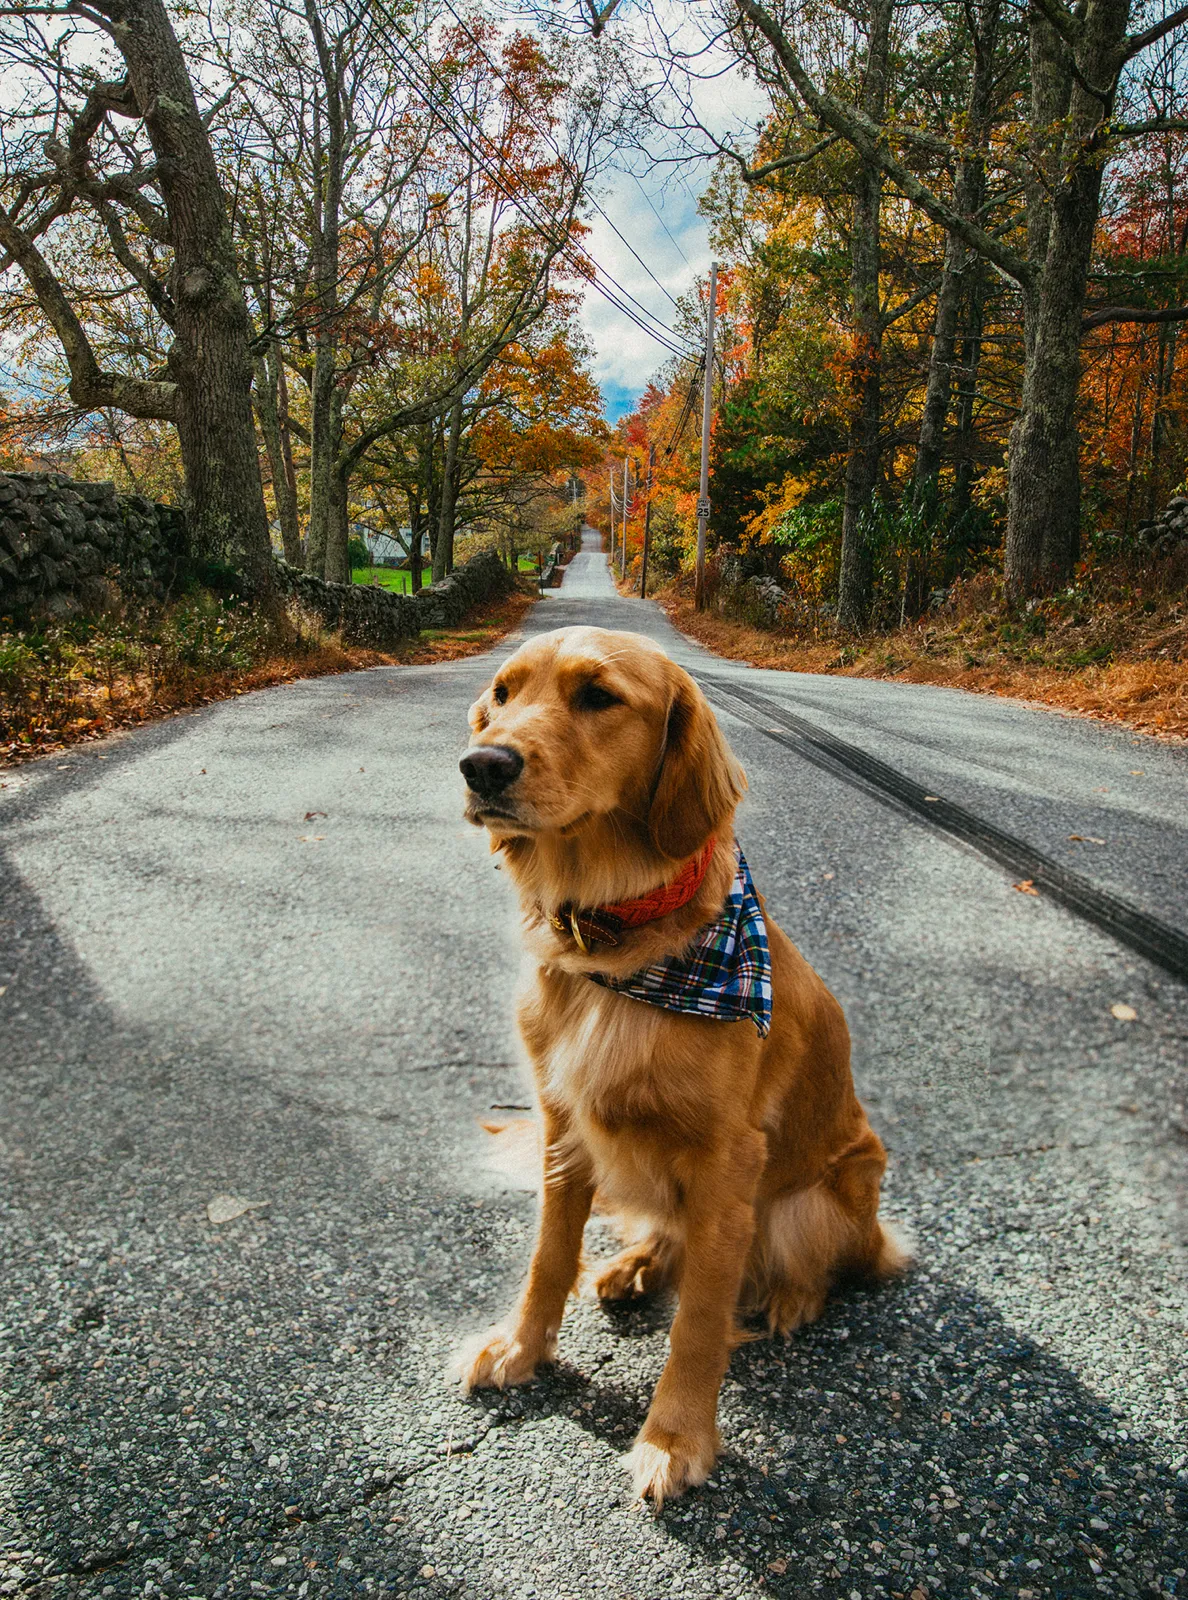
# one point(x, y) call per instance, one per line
point(699, 783)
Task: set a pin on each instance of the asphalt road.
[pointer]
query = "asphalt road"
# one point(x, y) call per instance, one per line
point(254, 952)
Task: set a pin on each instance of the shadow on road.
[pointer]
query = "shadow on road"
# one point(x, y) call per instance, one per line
point(191, 1409)
point(909, 1407)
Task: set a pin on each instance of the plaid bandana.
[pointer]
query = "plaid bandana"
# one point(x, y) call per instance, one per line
point(725, 973)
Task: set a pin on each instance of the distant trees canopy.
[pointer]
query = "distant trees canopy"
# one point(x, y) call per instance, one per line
point(954, 287)
point(337, 240)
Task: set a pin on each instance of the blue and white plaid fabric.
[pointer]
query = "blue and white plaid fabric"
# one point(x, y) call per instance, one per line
point(724, 974)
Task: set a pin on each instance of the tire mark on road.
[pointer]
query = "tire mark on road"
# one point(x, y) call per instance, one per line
point(1158, 941)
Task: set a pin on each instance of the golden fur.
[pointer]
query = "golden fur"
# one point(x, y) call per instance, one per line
point(744, 1168)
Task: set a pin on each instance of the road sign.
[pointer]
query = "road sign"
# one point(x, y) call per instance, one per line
point(703, 508)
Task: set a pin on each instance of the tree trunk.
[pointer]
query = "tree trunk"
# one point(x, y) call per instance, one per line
point(210, 358)
point(323, 450)
point(1045, 482)
point(1136, 437)
point(270, 426)
point(856, 578)
point(415, 536)
point(960, 260)
point(286, 436)
point(443, 551)
point(967, 388)
point(1164, 376)
point(338, 532)
point(1044, 495)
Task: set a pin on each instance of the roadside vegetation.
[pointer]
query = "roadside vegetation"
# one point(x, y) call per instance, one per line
point(65, 682)
point(950, 389)
point(1110, 646)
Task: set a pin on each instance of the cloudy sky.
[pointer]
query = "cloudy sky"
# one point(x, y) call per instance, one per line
point(667, 232)
point(671, 237)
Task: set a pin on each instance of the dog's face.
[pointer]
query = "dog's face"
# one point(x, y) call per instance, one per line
point(584, 723)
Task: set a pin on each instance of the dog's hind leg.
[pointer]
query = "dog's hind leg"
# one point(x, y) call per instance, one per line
point(639, 1270)
point(807, 1239)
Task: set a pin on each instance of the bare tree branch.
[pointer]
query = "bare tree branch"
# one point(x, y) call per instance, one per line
point(90, 386)
point(1104, 314)
point(1137, 42)
point(869, 139)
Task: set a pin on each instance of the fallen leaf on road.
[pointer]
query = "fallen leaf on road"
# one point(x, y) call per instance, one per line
point(4, 990)
point(310, 838)
point(1026, 887)
point(226, 1207)
point(1124, 1013)
point(932, 797)
point(1137, 772)
point(310, 815)
point(1085, 838)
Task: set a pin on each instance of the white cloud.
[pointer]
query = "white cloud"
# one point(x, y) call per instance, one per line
point(669, 234)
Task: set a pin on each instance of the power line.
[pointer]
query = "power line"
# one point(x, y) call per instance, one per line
point(686, 411)
point(547, 135)
point(540, 224)
point(663, 224)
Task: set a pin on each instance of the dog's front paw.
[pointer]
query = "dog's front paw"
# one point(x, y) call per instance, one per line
point(497, 1359)
point(663, 1465)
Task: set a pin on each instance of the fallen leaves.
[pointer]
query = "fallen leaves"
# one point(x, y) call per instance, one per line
point(227, 1207)
point(1124, 1013)
point(310, 838)
point(1085, 838)
point(1026, 887)
point(310, 815)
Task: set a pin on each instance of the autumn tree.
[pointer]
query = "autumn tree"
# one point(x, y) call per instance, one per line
point(108, 129)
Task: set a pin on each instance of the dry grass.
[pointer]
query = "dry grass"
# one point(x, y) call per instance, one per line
point(1139, 679)
point(54, 708)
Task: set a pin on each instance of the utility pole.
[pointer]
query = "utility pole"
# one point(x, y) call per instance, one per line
point(643, 567)
point(623, 529)
point(611, 481)
point(703, 504)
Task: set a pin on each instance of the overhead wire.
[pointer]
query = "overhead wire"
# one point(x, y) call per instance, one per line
point(686, 411)
point(557, 148)
point(571, 248)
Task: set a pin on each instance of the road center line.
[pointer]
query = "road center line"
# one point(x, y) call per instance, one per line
point(1158, 941)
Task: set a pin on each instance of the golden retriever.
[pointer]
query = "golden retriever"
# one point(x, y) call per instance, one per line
point(743, 1166)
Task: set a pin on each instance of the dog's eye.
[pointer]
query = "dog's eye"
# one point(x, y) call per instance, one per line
point(593, 697)
point(500, 692)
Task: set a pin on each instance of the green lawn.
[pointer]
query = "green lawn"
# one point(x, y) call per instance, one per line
point(396, 579)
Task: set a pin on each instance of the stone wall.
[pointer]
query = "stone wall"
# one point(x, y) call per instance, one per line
point(368, 615)
point(67, 547)
point(1169, 529)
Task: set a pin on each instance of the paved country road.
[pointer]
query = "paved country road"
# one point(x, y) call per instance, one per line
point(254, 952)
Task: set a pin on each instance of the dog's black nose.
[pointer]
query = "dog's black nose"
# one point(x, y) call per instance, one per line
point(491, 769)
